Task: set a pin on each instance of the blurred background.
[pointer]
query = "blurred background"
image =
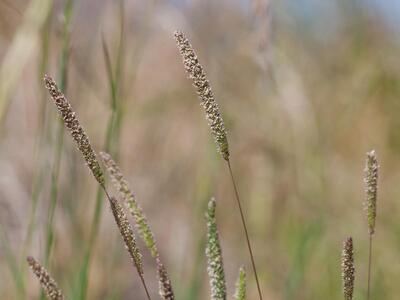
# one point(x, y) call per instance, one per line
point(306, 88)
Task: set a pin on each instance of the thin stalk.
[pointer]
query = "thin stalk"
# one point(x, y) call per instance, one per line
point(245, 228)
point(369, 266)
point(59, 134)
point(55, 172)
point(145, 287)
point(112, 127)
point(12, 264)
point(42, 135)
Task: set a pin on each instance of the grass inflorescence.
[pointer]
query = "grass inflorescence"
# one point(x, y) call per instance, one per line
point(348, 270)
point(48, 284)
point(215, 266)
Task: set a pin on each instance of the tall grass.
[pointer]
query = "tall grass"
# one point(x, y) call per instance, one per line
point(371, 191)
point(59, 139)
point(114, 83)
point(19, 53)
point(214, 118)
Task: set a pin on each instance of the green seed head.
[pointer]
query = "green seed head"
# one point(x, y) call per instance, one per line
point(122, 186)
point(215, 266)
point(371, 189)
point(240, 293)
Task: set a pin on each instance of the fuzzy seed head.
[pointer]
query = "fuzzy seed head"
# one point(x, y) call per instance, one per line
point(196, 73)
point(122, 186)
point(240, 293)
point(348, 270)
point(371, 189)
point(48, 284)
point(215, 266)
point(127, 234)
point(165, 286)
point(72, 124)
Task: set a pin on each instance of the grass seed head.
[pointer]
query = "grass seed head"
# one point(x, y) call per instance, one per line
point(122, 186)
point(126, 231)
point(165, 286)
point(371, 189)
point(215, 266)
point(72, 124)
point(348, 269)
point(48, 284)
point(240, 293)
point(196, 73)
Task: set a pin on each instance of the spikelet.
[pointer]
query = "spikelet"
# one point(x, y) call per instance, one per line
point(348, 269)
point(196, 73)
point(215, 266)
point(126, 231)
point(46, 281)
point(122, 186)
point(240, 293)
point(72, 123)
point(371, 189)
point(165, 286)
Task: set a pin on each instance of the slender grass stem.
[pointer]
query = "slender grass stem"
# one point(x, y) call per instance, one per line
point(42, 133)
point(59, 133)
point(245, 228)
point(12, 264)
point(55, 172)
point(369, 266)
point(145, 287)
point(109, 139)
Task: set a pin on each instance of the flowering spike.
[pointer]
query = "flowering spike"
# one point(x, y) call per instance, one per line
point(196, 73)
point(165, 286)
point(48, 284)
point(122, 186)
point(72, 124)
point(126, 231)
point(371, 189)
point(215, 266)
point(348, 269)
point(240, 293)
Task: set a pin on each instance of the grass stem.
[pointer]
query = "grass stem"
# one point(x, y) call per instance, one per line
point(245, 229)
point(369, 266)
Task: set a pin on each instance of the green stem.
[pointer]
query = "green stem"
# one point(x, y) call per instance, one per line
point(110, 139)
point(55, 172)
point(369, 266)
point(42, 135)
point(9, 258)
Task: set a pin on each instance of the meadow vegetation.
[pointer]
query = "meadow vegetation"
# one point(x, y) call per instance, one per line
point(301, 93)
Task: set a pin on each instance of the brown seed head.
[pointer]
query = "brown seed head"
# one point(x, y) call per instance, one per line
point(48, 284)
point(72, 124)
point(165, 286)
point(126, 231)
point(196, 73)
point(348, 269)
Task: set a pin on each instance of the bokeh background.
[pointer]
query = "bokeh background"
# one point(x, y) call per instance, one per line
point(306, 88)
